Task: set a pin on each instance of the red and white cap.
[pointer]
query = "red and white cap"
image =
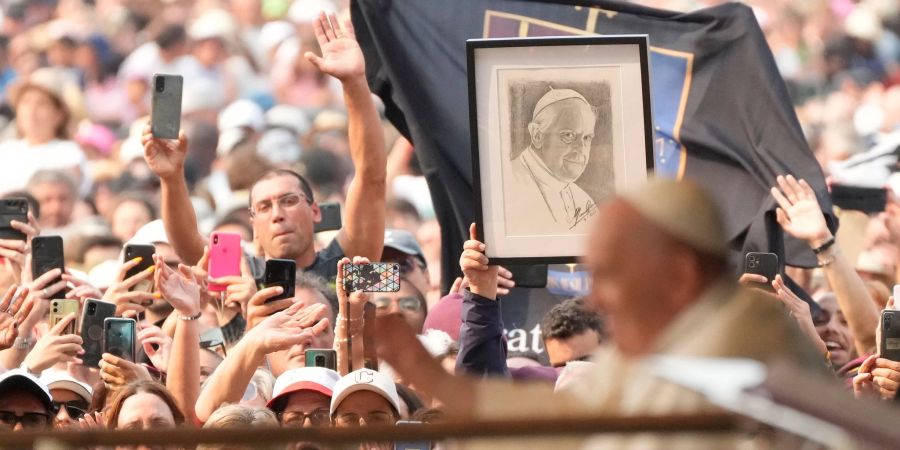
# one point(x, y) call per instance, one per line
point(316, 379)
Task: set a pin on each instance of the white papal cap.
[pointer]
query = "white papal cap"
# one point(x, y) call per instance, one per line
point(556, 95)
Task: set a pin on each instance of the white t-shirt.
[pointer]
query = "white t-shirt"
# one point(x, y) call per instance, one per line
point(19, 161)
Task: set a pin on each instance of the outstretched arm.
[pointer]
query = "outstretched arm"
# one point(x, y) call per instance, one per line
point(363, 232)
point(166, 159)
point(800, 215)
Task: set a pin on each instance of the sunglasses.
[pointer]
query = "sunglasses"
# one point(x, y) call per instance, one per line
point(9, 419)
point(74, 408)
point(405, 303)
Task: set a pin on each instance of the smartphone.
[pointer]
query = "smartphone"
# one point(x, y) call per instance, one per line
point(165, 112)
point(145, 252)
point(321, 357)
point(411, 445)
point(280, 272)
point(59, 309)
point(93, 315)
point(374, 277)
point(867, 200)
point(224, 258)
point(531, 276)
point(331, 217)
point(119, 337)
point(765, 264)
point(890, 334)
point(46, 255)
point(12, 209)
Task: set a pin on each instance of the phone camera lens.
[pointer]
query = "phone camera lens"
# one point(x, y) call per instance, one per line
point(215, 239)
point(320, 360)
point(160, 84)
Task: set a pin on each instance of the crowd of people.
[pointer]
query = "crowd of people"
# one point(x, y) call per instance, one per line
point(278, 124)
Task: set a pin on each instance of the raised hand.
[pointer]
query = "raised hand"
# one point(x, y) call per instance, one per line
point(82, 289)
point(475, 266)
point(120, 292)
point(260, 307)
point(341, 56)
point(799, 212)
point(93, 421)
point(12, 309)
point(165, 157)
point(799, 310)
point(150, 336)
point(178, 287)
point(55, 347)
point(238, 289)
point(117, 372)
point(290, 327)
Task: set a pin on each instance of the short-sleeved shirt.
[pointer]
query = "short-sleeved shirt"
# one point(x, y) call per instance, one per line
point(325, 264)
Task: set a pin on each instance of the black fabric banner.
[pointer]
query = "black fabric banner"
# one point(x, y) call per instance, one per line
point(721, 111)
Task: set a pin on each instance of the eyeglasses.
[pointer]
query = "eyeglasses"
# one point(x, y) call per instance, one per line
point(74, 408)
point(9, 419)
point(317, 417)
point(405, 303)
point(372, 418)
point(287, 201)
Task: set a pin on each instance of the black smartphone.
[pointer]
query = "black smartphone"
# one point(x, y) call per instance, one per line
point(765, 264)
point(321, 357)
point(145, 252)
point(165, 109)
point(374, 277)
point(890, 334)
point(331, 217)
point(94, 313)
point(280, 272)
point(46, 255)
point(411, 445)
point(531, 276)
point(119, 337)
point(12, 209)
point(867, 200)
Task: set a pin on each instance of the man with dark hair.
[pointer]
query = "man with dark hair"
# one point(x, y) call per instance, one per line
point(571, 332)
point(282, 206)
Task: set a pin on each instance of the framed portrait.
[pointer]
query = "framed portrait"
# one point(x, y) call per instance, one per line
point(558, 125)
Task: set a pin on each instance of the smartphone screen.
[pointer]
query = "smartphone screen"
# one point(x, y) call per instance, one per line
point(224, 258)
point(280, 272)
point(374, 277)
point(165, 114)
point(12, 209)
point(118, 337)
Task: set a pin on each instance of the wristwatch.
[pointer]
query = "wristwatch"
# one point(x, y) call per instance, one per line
point(22, 343)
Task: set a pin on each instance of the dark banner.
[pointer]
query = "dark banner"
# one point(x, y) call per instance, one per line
point(721, 111)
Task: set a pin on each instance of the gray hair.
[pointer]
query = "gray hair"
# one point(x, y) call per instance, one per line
point(53, 177)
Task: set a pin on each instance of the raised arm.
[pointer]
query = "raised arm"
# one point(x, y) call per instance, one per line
point(166, 159)
point(280, 331)
point(348, 329)
point(363, 232)
point(799, 214)
point(181, 290)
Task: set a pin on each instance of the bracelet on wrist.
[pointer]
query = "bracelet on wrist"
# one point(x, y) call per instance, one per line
point(190, 318)
point(824, 261)
point(824, 247)
point(341, 319)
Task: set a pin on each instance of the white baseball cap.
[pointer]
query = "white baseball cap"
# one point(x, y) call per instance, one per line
point(60, 379)
point(365, 380)
point(316, 379)
point(19, 380)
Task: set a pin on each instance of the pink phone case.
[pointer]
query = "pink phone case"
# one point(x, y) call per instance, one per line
point(224, 258)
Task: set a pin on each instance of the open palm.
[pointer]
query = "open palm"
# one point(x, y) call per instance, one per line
point(341, 56)
point(799, 212)
point(182, 293)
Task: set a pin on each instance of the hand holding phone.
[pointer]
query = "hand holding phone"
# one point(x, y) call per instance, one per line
point(145, 252)
point(765, 264)
point(280, 272)
point(46, 255)
point(13, 209)
point(93, 315)
point(60, 309)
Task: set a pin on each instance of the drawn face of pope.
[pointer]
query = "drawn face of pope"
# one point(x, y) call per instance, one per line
point(561, 134)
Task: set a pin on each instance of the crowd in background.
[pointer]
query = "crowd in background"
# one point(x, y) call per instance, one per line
point(272, 88)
